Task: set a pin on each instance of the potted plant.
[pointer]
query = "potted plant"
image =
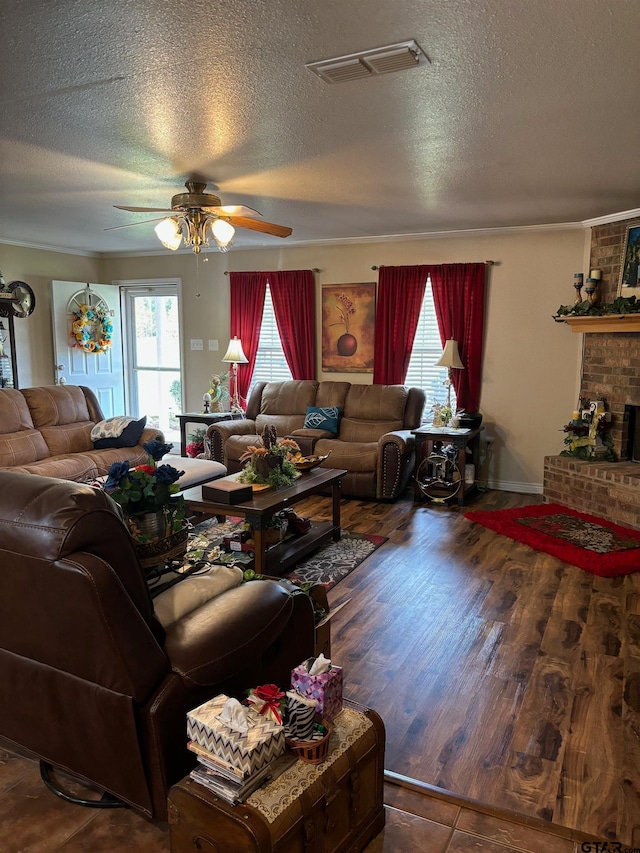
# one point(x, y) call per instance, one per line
point(195, 445)
point(148, 495)
point(270, 463)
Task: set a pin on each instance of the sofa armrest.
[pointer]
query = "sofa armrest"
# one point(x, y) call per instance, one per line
point(231, 632)
point(218, 433)
point(149, 433)
point(395, 463)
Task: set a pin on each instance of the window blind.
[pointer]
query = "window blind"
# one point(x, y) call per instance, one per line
point(271, 365)
point(427, 349)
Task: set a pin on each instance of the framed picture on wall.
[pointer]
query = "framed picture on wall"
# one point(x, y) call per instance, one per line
point(348, 322)
point(630, 268)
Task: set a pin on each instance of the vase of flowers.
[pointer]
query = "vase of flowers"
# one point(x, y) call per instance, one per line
point(347, 344)
point(148, 495)
point(270, 463)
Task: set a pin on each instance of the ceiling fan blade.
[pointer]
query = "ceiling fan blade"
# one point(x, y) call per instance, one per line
point(259, 225)
point(145, 209)
point(130, 224)
point(232, 210)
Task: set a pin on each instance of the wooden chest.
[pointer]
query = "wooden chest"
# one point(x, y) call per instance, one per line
point(333, 807)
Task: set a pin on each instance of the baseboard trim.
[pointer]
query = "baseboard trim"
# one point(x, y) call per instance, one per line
point(512, 486)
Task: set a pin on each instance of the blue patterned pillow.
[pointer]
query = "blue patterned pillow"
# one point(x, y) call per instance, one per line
point(322, 418)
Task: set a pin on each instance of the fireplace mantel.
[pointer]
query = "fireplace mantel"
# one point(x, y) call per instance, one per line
point(607, 323)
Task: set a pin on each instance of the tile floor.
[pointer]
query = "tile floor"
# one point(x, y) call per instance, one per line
point(418, 818)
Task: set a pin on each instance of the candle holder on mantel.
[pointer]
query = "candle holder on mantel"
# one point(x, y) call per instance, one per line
point(578, 281)
point(591, 288)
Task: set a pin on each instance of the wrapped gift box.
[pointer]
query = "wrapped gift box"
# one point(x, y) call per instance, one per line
point(326, 688)
point(247, 751)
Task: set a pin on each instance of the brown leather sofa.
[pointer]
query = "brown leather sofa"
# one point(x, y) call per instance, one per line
point(47, 431)
point(374, 443)
point(91, 683)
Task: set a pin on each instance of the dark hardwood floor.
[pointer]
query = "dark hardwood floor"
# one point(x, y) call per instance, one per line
point(502, 675)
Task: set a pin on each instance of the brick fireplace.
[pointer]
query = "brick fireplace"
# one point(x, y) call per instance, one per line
point(610, 371)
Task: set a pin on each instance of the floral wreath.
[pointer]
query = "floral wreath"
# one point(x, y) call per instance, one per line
point(92, 328)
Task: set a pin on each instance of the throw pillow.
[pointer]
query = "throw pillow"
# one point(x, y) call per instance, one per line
point(327, 419)
point(129, 436)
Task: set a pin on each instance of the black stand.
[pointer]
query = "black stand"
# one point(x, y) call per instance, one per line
point(107, 801)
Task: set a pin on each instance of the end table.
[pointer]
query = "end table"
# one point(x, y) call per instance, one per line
point(430, 437)
point(202, 418)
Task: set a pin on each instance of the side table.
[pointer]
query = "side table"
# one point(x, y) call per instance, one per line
point(332, 807)
point(430, 438)
point(202, 418)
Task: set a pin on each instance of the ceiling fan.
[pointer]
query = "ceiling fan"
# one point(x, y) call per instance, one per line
point(197, 211)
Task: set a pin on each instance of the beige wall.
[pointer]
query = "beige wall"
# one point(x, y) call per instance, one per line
point(531, 365)
point(34, 340)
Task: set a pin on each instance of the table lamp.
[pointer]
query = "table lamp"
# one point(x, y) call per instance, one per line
point(450, 359)
point(236, 356)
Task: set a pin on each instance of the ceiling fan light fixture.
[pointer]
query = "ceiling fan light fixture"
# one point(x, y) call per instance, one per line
point(223, 233)
point(169, 233)
point(196, 213)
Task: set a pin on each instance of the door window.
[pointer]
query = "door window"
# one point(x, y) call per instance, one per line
point(152, 320)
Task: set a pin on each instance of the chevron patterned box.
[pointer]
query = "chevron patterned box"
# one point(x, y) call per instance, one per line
point(248, 752)
point(326, 689)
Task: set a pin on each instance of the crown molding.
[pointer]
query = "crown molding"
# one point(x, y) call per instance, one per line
point(343, 241)
point(387, 238)
point(613, 217)
point(85, 253)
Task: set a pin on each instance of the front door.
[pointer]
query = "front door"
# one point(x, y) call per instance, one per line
point(102, 371)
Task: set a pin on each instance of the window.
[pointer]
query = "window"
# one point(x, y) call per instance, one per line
point(271, 365)
point(427, 349)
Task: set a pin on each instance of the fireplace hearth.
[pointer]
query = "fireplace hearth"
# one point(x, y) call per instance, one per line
point(610, 372)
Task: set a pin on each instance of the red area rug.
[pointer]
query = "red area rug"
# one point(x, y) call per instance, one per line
point(591, 543)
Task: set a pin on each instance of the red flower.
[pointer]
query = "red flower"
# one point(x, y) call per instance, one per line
point(269, 692)
point(146, 469)
point(194, 448)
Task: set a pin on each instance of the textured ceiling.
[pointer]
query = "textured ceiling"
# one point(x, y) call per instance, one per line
point(528, 114)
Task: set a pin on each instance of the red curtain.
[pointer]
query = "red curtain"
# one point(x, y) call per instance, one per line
point(398, 304)
point(246, 296)
point(294, 303)
point(458, 295)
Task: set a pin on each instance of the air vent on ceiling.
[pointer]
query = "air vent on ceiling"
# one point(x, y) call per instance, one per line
point(382, 60)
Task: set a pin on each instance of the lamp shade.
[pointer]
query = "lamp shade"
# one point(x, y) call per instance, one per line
point(234, 352)
point(223, 234)
point(450, 357)
point(169, 233)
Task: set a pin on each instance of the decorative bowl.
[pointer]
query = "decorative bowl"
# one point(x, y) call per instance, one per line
point(309, 462)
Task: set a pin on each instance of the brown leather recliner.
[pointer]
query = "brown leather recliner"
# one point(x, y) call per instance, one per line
point(91, 682)
point(374, 443)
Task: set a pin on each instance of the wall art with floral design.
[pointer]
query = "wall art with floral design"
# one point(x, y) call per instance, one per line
point(348, 322)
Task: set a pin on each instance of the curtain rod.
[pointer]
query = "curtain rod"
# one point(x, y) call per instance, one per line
point(486, 263)
point(313, 269)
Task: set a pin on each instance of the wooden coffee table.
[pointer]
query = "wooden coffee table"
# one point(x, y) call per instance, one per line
point(263, 506)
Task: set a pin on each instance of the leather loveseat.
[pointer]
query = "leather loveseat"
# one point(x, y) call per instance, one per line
point(47, 431)
point(374, 443)
point(91, 682)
